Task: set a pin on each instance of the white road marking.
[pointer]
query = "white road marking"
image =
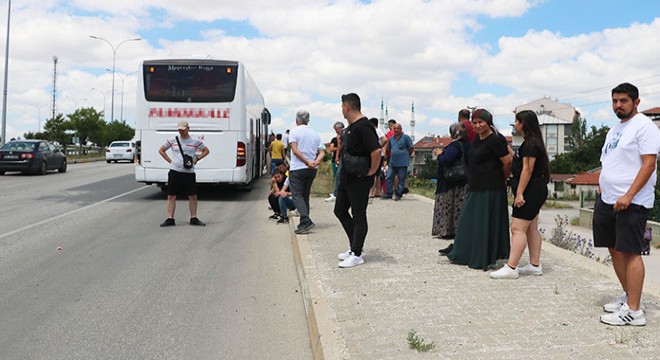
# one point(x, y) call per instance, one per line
point(45, 221)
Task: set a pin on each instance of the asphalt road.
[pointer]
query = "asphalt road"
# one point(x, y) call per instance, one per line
point(87, 273)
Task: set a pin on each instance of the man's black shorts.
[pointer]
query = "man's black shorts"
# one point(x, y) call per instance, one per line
point(621, 230)
point(178, 182)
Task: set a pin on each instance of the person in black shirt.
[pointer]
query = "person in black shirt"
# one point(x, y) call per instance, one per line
point(360, 143)
point(482, 236)
point(529, 187)
point(277, 182)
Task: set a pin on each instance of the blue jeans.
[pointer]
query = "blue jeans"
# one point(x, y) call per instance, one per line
point(396, 171)
point(285, 203)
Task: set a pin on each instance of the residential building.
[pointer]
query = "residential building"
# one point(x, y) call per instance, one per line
point(654, 114)
point(555, 120)
point(584, 186)
point(424, 149)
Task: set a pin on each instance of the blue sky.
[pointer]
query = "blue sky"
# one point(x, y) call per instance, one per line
point(444, 55)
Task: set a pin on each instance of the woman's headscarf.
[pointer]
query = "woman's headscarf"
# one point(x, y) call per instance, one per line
point(457, 131)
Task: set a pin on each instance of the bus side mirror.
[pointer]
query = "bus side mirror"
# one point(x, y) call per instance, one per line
point(265, 116)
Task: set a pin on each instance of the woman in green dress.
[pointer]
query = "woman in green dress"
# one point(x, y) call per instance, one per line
point(482, 236)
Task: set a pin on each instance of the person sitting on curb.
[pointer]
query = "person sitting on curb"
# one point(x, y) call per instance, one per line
point(285, 201)
point(277, 182)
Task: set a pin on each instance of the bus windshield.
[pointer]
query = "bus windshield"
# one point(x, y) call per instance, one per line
point(189, 82)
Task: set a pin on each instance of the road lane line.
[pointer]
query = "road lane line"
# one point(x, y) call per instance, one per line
point(45, 221)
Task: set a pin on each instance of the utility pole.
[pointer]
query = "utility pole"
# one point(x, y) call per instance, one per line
point(54, 85)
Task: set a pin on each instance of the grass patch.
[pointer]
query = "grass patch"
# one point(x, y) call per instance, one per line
point(324, 183)
point(419, 344)
point(422, 187)
point(553, 204)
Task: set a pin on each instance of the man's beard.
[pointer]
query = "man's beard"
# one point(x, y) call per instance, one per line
point(622, 115)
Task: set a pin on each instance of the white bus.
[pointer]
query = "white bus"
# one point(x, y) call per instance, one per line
point(224, 108)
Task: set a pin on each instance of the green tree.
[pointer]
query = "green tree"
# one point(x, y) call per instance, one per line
point(430, 168)
point(578, 132)
point(117, 130)
point(55, 129)
point(583, 158)
point(35, 135)
point(88, 125)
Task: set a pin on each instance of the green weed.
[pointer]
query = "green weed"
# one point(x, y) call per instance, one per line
point(419, 344)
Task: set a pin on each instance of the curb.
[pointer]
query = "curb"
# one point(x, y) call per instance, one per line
point(326, 339)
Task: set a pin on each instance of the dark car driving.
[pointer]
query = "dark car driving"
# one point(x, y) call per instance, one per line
point(31, 156)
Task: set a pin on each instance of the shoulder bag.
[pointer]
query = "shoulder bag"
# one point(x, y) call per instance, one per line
point(187, 159)
point(458, 171)
point(353, 164)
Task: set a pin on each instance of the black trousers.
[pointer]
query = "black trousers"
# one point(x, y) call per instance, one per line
point(274, 203)
point(353, 194)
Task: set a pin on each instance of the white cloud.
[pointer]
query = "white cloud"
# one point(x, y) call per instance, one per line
point(308, 53)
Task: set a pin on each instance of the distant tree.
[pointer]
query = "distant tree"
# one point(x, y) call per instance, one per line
point(430, 168)
point(35, 135)
point(583, 158)
point(55, 130)
point(117, 130)
point(655, 212)
point(88, 125)
point(578, 132)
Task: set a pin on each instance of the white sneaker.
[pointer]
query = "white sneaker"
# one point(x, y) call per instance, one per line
point(623, 317)
point(331, 198)
point(351, 261)
point(343, 256)
point(615, 304)
point(504, 273)
point(529, 269)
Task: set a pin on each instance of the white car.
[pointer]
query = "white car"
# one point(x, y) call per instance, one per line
point(120, 150)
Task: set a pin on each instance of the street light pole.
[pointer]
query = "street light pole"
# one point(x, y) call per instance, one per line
point(114, 58)
point(123, 78)
point(3, 133)
point(39, 114)
point(105, 117)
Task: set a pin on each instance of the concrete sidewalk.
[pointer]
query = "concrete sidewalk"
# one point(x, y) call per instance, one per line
point(366, 312)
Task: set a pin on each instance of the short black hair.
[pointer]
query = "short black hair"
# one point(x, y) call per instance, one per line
point(391, 121)
point(352, 100)
point(464, 114)
point(374, 122)
point(627, 88)
point(278, 136)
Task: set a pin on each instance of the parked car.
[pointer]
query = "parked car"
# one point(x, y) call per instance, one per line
point(35, 156)
point(120, 150)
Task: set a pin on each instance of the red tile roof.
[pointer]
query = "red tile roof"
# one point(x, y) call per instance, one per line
point(560, 177)
point(655, 110)
point(585, 179)
point(431, 142)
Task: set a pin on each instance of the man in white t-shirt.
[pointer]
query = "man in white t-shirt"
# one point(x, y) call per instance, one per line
point(627, 182)
point(181, 178)
point(306, 155)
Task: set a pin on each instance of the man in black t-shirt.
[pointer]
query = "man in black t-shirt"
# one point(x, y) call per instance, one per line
point(360, 142)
